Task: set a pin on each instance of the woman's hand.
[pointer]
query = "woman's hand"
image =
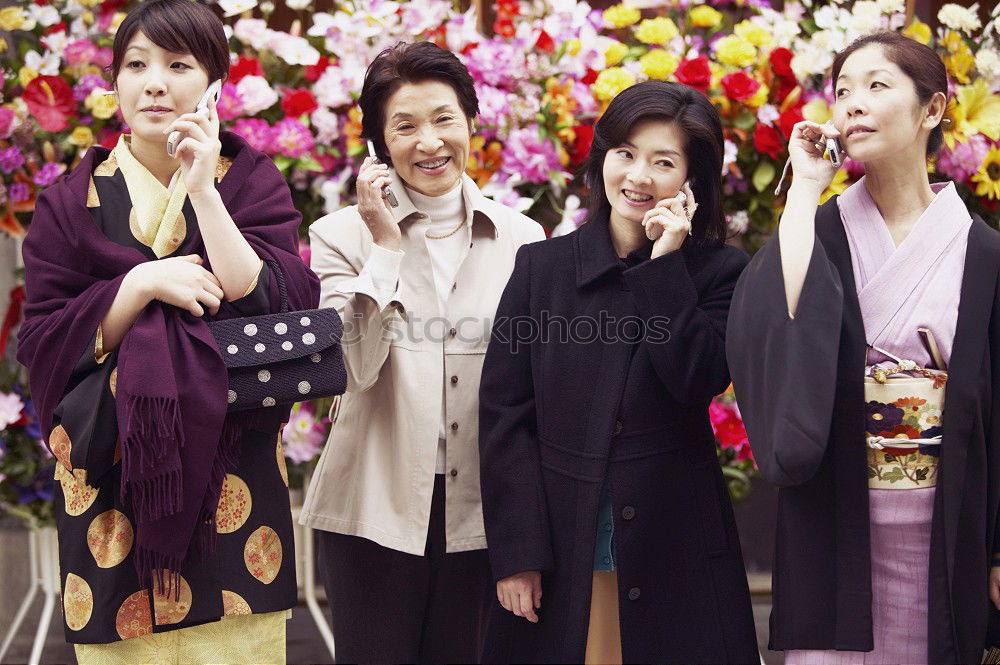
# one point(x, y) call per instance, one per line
point(994, 586)
point(198, 152)
point(521, 594)
point(373, 208)
point(805, 148)
point(669, 222)
point(180, 281)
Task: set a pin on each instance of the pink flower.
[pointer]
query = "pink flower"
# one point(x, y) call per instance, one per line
point(305, 252)
point(257, 133)
point(498, 63)
point(962, 162)
point(527, 154)
point(292, 138)
point(230, 104)
point(327, 124)
point(6, 122)
point(494, 110)
point(48, 173)
point(81, 51)
point(303, 436)
point(103, 57)
point(11, 406)
point(256, 93)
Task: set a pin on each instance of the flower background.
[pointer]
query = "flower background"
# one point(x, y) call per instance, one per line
point(543, 75)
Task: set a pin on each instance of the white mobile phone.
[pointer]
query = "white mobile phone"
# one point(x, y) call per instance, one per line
point(213, 92)
point(836, 152)
point(386, 191)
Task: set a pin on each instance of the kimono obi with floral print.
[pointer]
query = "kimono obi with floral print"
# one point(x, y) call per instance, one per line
point(903, 421)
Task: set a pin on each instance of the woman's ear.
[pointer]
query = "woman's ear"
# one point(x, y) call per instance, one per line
point(935, 110)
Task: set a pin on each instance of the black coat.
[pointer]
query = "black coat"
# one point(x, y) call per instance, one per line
point(558, 416)
point(801, 393)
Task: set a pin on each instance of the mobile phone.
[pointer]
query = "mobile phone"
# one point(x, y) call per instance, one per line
point(386, 191)
point(213, 92)
point(836, 151)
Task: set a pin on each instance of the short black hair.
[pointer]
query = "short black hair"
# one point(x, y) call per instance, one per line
point(410, 63)
point(700, 125)
point(179, 26)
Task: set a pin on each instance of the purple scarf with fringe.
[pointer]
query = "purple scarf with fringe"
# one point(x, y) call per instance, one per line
point(177, 443)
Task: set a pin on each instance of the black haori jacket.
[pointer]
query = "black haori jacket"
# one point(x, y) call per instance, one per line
point(800, 387)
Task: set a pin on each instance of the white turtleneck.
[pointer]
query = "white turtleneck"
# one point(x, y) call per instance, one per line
point(444, 214)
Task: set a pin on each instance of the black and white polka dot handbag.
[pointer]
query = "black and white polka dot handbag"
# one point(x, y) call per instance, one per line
point(279, 359)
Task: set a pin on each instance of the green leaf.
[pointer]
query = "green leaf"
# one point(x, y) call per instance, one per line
point(894, 475)
point(763, 176)
point(308, 163)
point(745, 121)
point(283, 162)
point(890, 458)
point(921, 474)
point(871, 472)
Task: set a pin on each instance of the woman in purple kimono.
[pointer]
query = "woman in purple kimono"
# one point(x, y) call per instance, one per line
point(846, 334)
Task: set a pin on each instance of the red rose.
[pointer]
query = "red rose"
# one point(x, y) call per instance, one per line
point(590, 77)
point(244, 67)
point(504, 27)
point(739, 87)
point(695, 73)
point(313, 72)
point(545, 43)
point(581, 146)
point(768, 141)
point(50, 100)
point(785, 88)
point(781, 62)
point(787, 120)
point(297, 102)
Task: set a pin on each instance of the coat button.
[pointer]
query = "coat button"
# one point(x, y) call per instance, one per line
point(618, 427)
point(454, 472)
point(628, 512)
point(607, 526)
point(607, 560)
point(454, 427)
point(452, 332)
point(633, 593)
point(454, 380)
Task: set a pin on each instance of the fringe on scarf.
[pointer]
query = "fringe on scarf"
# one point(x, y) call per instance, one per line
point(156, 497)
point(152, 427)
point(227, 458)
point(162, 569)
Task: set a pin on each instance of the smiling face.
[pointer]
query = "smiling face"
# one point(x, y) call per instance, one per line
point(427, 136)
point(156, 86)
point(648, 167)
point(877, 109)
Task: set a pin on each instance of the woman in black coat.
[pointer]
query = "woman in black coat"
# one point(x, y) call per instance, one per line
point(601, 487)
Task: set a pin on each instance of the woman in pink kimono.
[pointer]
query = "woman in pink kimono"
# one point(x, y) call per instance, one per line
point(864, 345)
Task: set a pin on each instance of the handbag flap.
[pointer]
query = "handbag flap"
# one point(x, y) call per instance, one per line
point(270, 338)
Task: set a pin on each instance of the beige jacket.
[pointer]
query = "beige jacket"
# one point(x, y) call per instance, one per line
point(375, 477)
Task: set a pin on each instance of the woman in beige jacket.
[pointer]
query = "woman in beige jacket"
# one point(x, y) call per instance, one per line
point(395, 498)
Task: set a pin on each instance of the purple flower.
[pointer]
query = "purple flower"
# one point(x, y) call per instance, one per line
point(497, 63)
point(86, 84)
point(11, 159)
point(18, 192)
point(527, 154)
point(292, 138)
point(40, 488)
point(48, 174)
point(257, 133)
point(881, 417)
point(494, 110)
point(963, 161)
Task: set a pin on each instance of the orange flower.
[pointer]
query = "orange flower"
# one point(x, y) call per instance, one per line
point(913, 403)
point(484, 160)
point(352, 129)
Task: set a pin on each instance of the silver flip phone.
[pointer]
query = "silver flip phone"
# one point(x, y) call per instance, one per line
point(213, 92)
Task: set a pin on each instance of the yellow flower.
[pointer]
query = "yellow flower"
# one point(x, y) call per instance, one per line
point(718, 71)
point(975, 110)
point(82, 137)
point(736, 51)
point(621, 16)
point(26, 75)
point(659, 30)
point(101, 104)
point(615, 53)
point(573, 46)
point(12, 18)
point(659, 64)
point(959, 59)
point(817, 110)
point(88, 17)
point(918, 31)
point(704, 16)
point(837, 186)
point(116, 20)
point(90, 3)
point(987, 178)
point(753, 33)
point(759, 98)
point(610, 82)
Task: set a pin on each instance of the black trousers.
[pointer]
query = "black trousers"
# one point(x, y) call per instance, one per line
point(392, 607)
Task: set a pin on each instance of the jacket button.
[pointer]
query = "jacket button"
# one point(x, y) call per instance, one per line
point(618, 427)
point(628, 512)
point(454, 472)
point(633, 593)
point(454, 380)
point(452, 332)
point(454, 427)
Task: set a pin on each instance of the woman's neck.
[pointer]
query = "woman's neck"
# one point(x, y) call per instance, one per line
point(626, 236)
point(901, 190)
point(154, 157)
